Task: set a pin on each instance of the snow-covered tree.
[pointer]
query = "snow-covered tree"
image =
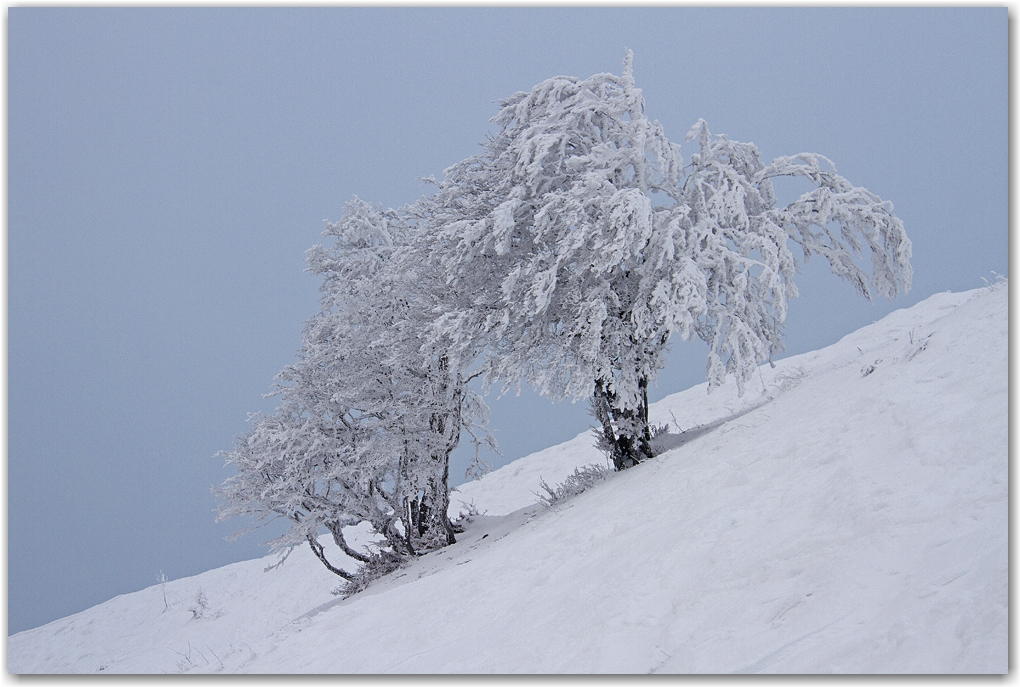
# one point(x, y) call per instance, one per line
point(549, 228)
point(587, 246)
point(727, 205)
point(303, 466)
point(368, 418)
point(423, 397)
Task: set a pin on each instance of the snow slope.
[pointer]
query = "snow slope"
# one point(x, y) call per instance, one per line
point(848, 514)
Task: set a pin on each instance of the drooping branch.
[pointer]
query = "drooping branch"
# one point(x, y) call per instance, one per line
point(338, 538)
point(317, 549)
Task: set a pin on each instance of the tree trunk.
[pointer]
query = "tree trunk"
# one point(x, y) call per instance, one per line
point(428, 506)
point(625, 433)
point(430, 521)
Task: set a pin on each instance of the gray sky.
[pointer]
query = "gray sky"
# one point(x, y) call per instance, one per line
point(168, 168)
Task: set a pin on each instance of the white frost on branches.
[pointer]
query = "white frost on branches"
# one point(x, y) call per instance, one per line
point(368, 416)
point(567, 256)
point(588, 246)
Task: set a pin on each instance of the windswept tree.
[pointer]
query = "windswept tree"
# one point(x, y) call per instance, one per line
point(373, 285)
point(302, 464)
point(553, 228)
point(369, 417)
point(587, 246)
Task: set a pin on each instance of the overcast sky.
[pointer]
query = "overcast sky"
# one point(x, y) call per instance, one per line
point(168, 168)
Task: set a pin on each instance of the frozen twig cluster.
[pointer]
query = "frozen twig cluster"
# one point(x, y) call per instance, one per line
point(583, 478)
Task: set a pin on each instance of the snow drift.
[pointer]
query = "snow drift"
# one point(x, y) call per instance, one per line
point(847, 514)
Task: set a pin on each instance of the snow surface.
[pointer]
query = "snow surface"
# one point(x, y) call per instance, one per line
point(848, 514)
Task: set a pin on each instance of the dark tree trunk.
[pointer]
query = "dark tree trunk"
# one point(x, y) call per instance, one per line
point(430, 522)
point(430, 526)
point(625, 433)
point(428, 516)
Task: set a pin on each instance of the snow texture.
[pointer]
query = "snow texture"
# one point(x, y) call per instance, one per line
point(848, 514)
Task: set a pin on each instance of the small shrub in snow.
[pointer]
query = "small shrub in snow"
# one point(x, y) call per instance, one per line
point(201, 605)
point(469, 510)
point(378, 565)
point(187, 661)
point(918, 344)
point(163, 579)
point(583, 479)
point(656, 430)
point(788, 379)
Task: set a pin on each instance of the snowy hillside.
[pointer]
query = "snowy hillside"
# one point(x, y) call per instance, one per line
point(848, 514)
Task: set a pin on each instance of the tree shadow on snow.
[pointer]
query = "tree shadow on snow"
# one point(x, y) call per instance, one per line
point(667, 441)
